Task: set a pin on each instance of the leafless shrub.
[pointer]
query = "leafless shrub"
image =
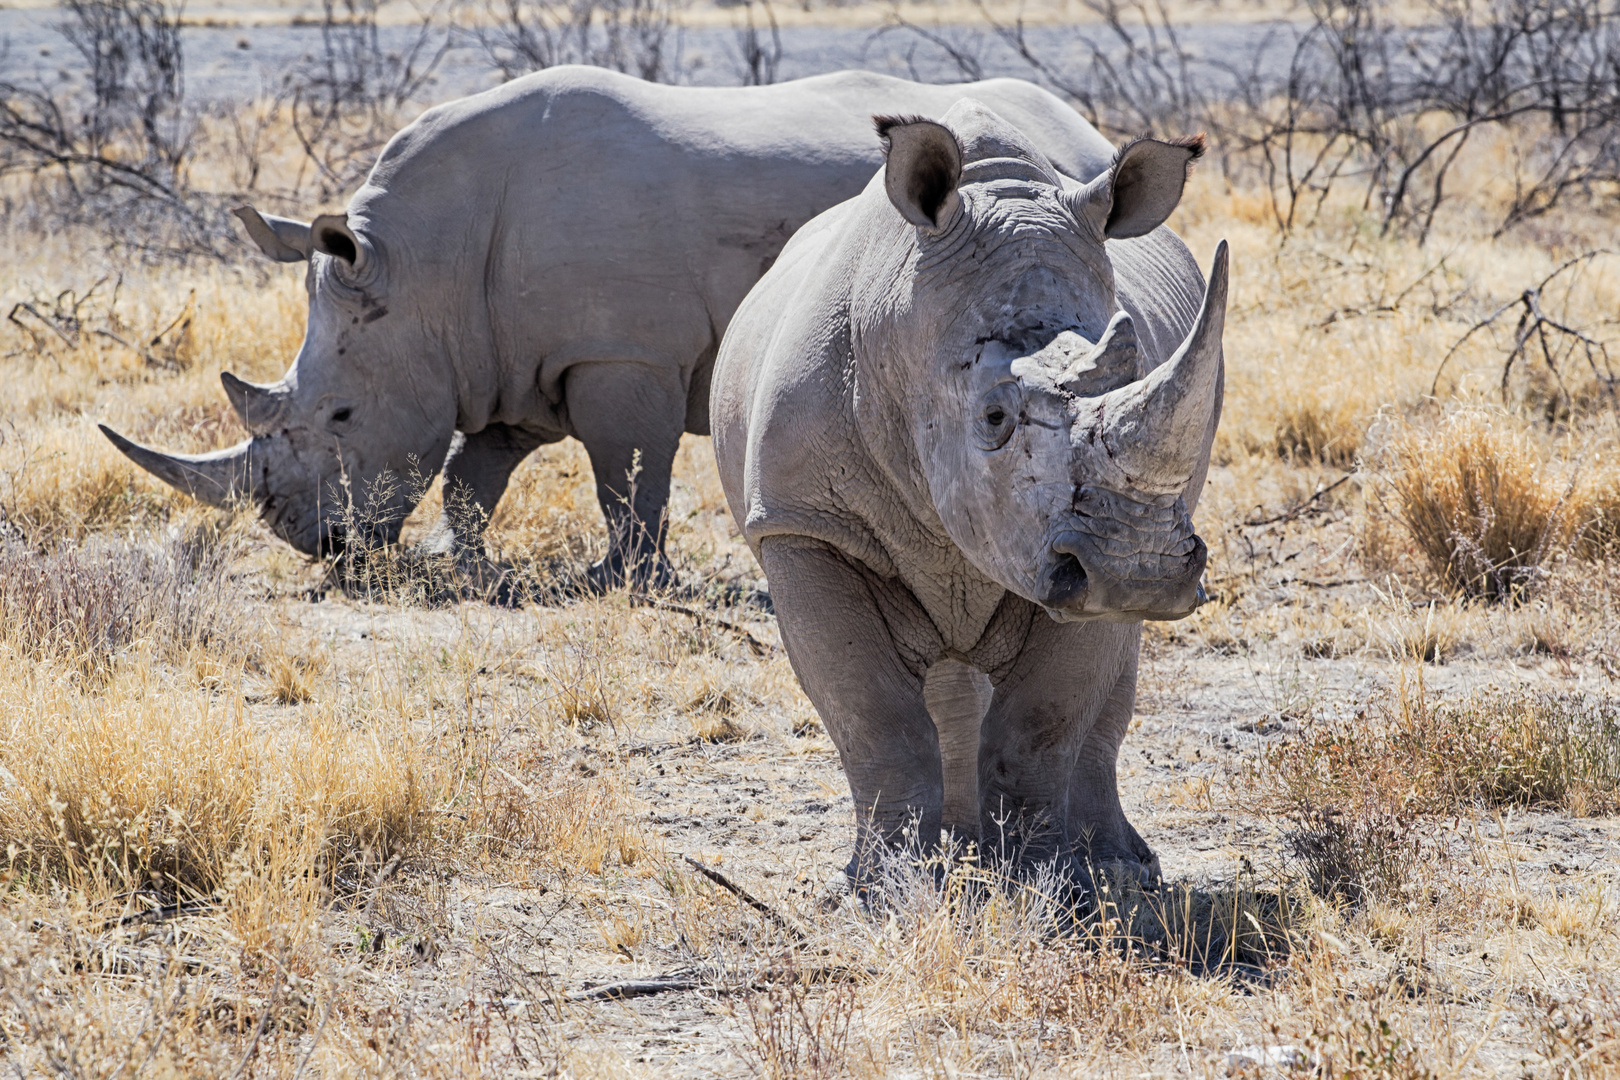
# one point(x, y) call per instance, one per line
point(111, 151)
point(1352, 857)
point(349, 99)
point(640, 37)
point(1579, 1035)
point(793, 1036)
point(1362, 94)
point(1551, 338)
point(758, 60)
point(66, 317)
point(1369, 99)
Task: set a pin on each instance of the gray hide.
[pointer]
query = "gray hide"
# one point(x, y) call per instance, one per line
point(556, 257)
point(963, 422)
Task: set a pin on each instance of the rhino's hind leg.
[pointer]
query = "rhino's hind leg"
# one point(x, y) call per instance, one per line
point(851, 650)
point(957, 697)
point(630, 417)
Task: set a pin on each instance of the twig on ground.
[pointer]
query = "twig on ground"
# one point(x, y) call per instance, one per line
point(1290, 515)
point(162, 913)
point(684, 980)
point(757, 647)
point(745, 896)
point(630, 988)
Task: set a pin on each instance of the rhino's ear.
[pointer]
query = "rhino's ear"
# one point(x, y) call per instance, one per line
point(922, 166)
point(330, 234)
point(283, 239)
point(1140, 189)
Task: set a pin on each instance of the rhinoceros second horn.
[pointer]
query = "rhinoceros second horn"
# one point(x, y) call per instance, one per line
point(259, 407)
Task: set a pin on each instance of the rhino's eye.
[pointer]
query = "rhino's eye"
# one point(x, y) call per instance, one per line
point(998, 416)
point(337, 421)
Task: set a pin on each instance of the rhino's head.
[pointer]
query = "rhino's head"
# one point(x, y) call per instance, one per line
point(1056, 454)
point(363, 406)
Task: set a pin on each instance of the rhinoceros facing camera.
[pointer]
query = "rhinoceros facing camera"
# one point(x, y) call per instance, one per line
point(964, 422)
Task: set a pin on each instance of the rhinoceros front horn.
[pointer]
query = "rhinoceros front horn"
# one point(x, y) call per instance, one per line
point(260, 407)
point(218, 479)
point(1154, 429)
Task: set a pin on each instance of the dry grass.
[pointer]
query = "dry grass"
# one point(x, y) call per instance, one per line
point(144, 786)
point(1483, 504)
point(1418, 755)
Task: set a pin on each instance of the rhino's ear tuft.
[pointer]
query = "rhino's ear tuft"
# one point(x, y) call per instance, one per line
point(1141, 189)
point(331, 235)
point(283, 239)
point(922, 166)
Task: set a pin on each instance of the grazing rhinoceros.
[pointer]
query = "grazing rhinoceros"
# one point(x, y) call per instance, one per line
point(963, 423)
point(558, 256)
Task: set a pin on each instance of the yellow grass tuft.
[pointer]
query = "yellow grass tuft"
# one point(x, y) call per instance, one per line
point(149, 785)
point(1484, 505)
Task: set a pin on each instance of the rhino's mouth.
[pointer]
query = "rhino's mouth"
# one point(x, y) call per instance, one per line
point(1119, 559)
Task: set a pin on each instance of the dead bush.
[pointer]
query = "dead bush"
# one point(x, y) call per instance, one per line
point(1483, 506)
point(640, 37)
point(1351, 855)
point(1579, 1035)
point(84, 605)
point(1118, 999)
point(793, 1033)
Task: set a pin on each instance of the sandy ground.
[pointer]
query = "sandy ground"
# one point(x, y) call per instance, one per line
point(771, 811)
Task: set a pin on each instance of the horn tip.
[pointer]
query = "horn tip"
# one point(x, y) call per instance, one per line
point(116, 439)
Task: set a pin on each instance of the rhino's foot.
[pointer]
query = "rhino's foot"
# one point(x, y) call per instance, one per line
point(1126, 864)
point(653, 573)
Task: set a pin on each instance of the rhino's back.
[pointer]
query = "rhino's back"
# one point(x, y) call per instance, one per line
point(643, 185)
point(600, 217)
point(582, 120)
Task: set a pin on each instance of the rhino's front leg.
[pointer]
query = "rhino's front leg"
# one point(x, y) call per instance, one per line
point(475, 478)
point(630, 417)
point(1096, 821)
point(1046, 765)
point(865, 677)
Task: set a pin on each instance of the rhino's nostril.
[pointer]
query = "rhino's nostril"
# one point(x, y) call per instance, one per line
point(1067, 580)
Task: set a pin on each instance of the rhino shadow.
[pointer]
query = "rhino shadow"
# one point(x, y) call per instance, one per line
point(1242, 930)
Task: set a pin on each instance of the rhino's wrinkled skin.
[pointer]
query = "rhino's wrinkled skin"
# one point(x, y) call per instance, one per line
point(964, 422)
point(556, 257)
